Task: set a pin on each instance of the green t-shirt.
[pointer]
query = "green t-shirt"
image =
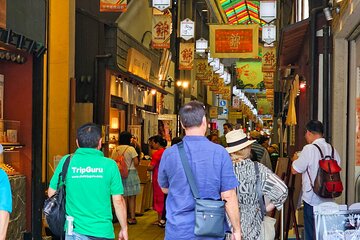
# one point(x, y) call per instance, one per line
point(91, 180)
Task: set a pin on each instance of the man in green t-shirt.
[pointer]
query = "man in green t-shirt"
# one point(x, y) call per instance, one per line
point(92, 181)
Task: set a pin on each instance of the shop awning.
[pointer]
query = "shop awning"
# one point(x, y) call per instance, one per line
point(291, 42)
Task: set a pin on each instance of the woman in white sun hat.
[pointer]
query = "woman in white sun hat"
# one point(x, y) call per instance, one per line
point(272, 187)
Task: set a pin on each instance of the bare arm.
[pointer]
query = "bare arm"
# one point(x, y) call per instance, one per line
point(4, 222)
point(120, 211)
point(51, 192)
point(136, 161)
point(165, 190)
point(231, 208)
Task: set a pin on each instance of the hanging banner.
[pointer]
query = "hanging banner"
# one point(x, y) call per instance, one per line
point(161, 31)
point(187, 29)
point(113, 5)
point(214, 81)
point(269, 60)
point(269, 33)
point(161, 4)
point(234, 41)
point(186, 56)
point(3, 14)
point(269, 79)
point(249, 75)
point(201, 67)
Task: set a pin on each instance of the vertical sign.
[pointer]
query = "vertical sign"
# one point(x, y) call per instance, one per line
point(187, 29)
point(113, 5)
point(161, 4)
point(186, 56)
point(161, 31)
point(3, 14)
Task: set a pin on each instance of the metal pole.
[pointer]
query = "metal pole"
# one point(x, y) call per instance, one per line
point(326, 84)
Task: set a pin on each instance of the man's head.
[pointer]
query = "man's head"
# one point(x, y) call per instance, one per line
point(314, 130)
point(192, 115)
point(89, 136)
point(227, 127)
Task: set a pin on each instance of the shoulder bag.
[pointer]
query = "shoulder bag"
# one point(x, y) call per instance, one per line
point(268, 223)
point(54, 206)
point(209, 214)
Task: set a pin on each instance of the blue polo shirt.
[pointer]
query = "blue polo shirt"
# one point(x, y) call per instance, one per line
point(213, 172)
point(5, 192)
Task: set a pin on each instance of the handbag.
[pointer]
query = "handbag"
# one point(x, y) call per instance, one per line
point(209, 214)
point(121, 163)
point(268, 223)
point(54, 206)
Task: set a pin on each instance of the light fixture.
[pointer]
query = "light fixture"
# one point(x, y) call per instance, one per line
point(185, 84)
point(153, 91)
point(115, 123)
point(179, 83)
point(327, 13)
point(302, 84)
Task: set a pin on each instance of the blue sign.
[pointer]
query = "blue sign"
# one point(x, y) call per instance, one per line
point(225, 111)
point(222, 103)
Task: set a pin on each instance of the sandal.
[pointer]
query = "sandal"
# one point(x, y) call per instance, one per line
point(155, 223)
point(162, 223)
point(132, 221)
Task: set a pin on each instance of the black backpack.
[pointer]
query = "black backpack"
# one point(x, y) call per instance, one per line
point(54, 207)
point(327, 182)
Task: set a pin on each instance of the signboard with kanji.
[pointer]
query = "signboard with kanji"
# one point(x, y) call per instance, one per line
point(234, 41)
point(249, 75)
point(161, 31)
point(113, 5)
point(269, 60)
point(186, 56)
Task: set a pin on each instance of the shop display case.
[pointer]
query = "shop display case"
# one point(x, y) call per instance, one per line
point(10, 162)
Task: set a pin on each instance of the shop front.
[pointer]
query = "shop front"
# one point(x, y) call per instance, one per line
point(21, 121)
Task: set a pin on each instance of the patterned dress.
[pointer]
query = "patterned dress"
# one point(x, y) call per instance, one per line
point(272, 187)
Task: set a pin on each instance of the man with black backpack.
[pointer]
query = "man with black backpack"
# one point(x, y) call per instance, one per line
point(319, 164)
point(91, 182)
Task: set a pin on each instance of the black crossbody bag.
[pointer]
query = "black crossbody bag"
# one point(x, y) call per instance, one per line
point(209, 214)
point(54, 206)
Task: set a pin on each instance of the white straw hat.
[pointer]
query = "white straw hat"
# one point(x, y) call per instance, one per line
point(237, 140)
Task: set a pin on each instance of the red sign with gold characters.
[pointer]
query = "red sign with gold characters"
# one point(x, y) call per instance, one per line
point(269, 60)
point(186, 56)
point(161, 31)
point(234, 41)
point(113, 5)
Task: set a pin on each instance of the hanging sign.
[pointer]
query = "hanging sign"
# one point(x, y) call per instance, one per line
point(161, 31)
point(234, 41)
point(187, 29)
point(269, 34)
point(269, 60)
point(267, 10)
point(138, 64)
point(186, 56)
point(3, 14)
point(201, 67)
point(113, 5)
point(161, 4)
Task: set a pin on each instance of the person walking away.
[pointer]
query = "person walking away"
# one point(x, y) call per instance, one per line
point(307, 164)
point(273, 188)
point(157, 143)
point(132, 182)
point(213, 174)
point(92, 181)
point(261, 152)
point(227, 128)
point(5, 203)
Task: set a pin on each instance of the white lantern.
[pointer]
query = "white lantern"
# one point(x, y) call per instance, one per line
point(269, 34)
point(220, 71)
point(215, 64)
point(187, 29)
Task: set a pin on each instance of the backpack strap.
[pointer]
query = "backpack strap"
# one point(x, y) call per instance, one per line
point(332, 152)
point(321, 153)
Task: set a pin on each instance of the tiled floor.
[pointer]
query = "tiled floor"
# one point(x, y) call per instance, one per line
point(144, 230)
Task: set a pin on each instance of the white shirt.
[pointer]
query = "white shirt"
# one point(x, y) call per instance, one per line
point(309, 160)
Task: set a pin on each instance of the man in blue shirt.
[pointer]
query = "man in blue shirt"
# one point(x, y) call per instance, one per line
point(5, 203)
point(213, 172)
